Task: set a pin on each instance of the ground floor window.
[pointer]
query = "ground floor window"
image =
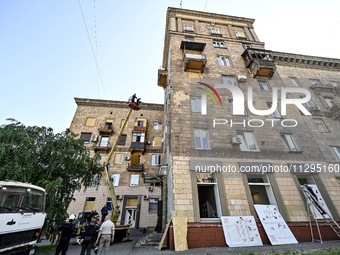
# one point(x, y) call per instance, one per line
point(208, 196)
point(261, 191)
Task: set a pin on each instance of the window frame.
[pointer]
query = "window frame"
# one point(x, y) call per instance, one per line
point(245, 141)
point(86, 135)
point(268, 188)
point(155, 160)
point(214, 184)
point(263, 83)
point(276, 114)
point(322, 127)
point(158, 125)
point(287, 143)
point(196, 104)
point(336, 152)
point(316, 82)
point(224, 61)
point(201, 139)
point(188, 28)
point(231, 106)
point(229, 80)
point(214, 31)
point(295, 82)
point(219, 44)
point(155, 204)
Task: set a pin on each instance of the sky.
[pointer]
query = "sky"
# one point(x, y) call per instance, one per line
point(46, 58)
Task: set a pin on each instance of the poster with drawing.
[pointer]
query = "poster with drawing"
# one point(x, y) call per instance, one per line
point(241, 231)
point(315, 212)
point(275, 226)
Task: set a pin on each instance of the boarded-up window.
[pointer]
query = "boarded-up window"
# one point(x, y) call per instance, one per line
point(132, 202)
point(118, 158)
point(90, 122)
point(194, 77)
point(89, 203)
point(135, 159)
point(85, 137)
point(157, 142)
point(122, 140)
point(134, 180)
point(115, 179)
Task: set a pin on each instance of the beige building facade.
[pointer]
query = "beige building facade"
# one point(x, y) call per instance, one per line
point(263, 158)
point(134, 164)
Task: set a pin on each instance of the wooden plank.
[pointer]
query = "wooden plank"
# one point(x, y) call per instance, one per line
point(164, 234)
point(180, 233)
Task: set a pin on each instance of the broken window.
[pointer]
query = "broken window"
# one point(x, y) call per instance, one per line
point(208, 196)
point(261, 191)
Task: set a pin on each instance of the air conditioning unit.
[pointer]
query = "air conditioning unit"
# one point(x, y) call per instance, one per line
point(148, 142)
point(127, 158)
point(94, 138)
point(316, 108)
point(236, 140)
point(119, 197)
point(241, 78)
point(146, 197)
point(150, 188)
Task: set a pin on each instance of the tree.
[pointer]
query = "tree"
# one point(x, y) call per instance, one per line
point(59, 163)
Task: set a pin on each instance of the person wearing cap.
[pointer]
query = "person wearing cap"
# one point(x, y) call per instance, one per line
point(66, 231)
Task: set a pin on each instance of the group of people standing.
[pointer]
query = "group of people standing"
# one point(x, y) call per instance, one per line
point(93, 234)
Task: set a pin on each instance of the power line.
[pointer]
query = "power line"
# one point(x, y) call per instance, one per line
point(93, 52)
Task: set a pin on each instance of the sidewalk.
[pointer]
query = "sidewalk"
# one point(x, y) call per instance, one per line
point(227, 250)
point(128, 248)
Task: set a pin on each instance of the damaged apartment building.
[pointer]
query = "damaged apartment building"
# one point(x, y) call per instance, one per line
point(134, 164)
point(206, 129)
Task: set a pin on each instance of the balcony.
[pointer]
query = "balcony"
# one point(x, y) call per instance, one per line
point(194, 61)
point(137, 146)
point(259, 62)
point(336, 111)
point(106, 129)
point(162, 78)
point(102, 146)
point(135, 167)
point(187, 45)
point(139, 129)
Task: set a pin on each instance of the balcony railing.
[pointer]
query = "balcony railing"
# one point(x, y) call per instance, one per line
point(135, 167)
point(187, 45)
point(194, 61)
point(139, 129)
point(336, 111)
point(137, 146)
point(162, 78)
point(105, 129)
point(102, 146)
point(260, 62)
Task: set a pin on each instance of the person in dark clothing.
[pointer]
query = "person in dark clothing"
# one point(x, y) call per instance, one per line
point(133, 98)
point(66, 232)
point(90, 234)
point(104, 212)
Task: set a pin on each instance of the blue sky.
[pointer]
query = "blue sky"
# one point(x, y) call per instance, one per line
point(46, 59)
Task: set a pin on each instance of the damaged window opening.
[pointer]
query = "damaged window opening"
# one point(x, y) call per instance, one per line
point(208, 196)
point(261, 191)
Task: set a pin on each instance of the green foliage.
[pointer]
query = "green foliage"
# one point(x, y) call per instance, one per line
point(59, 163)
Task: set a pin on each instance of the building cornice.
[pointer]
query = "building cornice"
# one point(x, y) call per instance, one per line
point(304, 61)
point(115, 104)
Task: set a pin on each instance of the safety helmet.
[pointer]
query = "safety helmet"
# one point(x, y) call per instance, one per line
point(72, 217)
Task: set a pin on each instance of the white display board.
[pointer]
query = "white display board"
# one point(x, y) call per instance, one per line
point(275, 226)
point(241, 231)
